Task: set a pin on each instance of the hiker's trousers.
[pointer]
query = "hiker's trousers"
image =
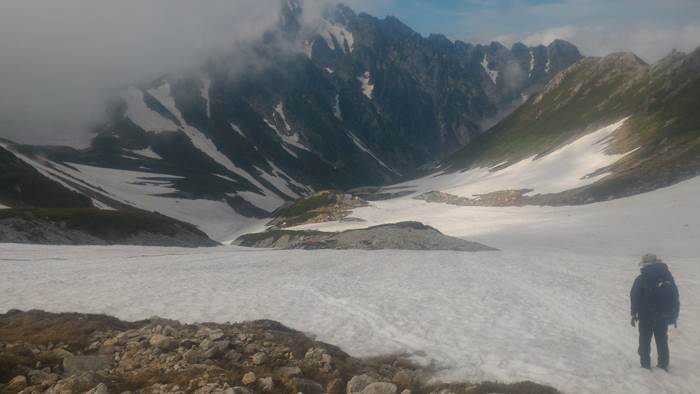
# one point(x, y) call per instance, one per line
point(658, 328)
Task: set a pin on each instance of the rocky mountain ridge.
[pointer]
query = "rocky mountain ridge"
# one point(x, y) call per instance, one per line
point(348, 101)
point(659, 136)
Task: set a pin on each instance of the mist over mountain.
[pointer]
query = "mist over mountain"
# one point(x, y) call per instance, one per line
point(322, 98)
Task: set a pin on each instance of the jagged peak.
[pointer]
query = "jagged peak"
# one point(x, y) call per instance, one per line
point(625, 59)
point(518, 46)
point(561, 44)
point(672, 57)
point(343, 14)
point(290, 14)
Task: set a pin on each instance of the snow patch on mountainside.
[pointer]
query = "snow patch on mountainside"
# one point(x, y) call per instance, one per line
point(288, 136)
point(237, 129)
point(280, 172)
point(493, 74)
point(205, 95)
point(205, 145)
point(148, 191)
point(567, 168)
point(548, 66)
point(279, 108)
point(365, 149)
point(367, 86)
point(333, 33)
point(279, 183)
point(3, 207)
point(532, 64)
point(147, 152)
point(308, 48)
point(139, 113)
point(336, 108)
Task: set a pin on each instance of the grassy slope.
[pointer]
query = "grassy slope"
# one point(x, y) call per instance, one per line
point(663, 124)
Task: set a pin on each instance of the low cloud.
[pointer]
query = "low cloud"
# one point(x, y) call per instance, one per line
point(649, 28)
point(650, 43)
point(61, 60)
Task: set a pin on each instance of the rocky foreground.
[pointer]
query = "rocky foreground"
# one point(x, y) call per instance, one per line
point(49, 353)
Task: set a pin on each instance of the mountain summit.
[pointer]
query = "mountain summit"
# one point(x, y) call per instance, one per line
point(343, 101)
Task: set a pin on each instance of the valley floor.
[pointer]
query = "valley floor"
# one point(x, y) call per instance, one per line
point(551, 306)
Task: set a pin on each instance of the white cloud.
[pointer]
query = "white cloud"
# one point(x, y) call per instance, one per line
point(61, 59)
point(650, 43)
point(650, 28)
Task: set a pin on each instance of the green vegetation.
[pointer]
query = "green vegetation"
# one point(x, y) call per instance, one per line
point(274, 235)
point(662, 129)
point(304, 206)
point(323, 206)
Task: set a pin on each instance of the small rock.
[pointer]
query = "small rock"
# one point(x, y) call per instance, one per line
point(288, 372)
point(358, 383)
point(307, 386)
point(193, 356)
point(99, 389)
point(241, 390)
point(75, 364)
point(259, 358)
point(43, 377)
point(18, 383)
point(233, 356)
point(249, 378)
point(266, 384)
point(206, 344)
point(162, 342)
point(380, 388)
point(335, 386)
point(187, 344)
point(61, 353)
point(216, 334)
point(111, 342)
point(403, 378)
point(406, 391)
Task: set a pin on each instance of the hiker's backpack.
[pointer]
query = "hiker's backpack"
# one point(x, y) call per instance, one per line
point(660, 294)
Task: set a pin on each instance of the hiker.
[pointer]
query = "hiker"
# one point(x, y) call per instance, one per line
point(655, 305)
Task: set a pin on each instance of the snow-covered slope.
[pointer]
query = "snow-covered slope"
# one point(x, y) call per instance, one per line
point(578, 163)
point(552, 306)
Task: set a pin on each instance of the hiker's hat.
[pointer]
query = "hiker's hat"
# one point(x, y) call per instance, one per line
point(648, 259)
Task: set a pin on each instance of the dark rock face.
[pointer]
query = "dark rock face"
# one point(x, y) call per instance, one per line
point(23, 186)
point(91, 226)
point(353, 101)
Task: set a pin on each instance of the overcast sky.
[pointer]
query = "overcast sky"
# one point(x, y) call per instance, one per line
point(60, 60)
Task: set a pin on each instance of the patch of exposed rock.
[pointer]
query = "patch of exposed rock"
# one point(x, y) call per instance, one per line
point(323, 206)
point(88, 226)
point(402, 236)
point(49, 353)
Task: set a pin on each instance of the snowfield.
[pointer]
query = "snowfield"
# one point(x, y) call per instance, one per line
point(579, 163)
point(551, 306)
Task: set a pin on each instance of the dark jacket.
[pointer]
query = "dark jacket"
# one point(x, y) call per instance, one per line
point(642, 306)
